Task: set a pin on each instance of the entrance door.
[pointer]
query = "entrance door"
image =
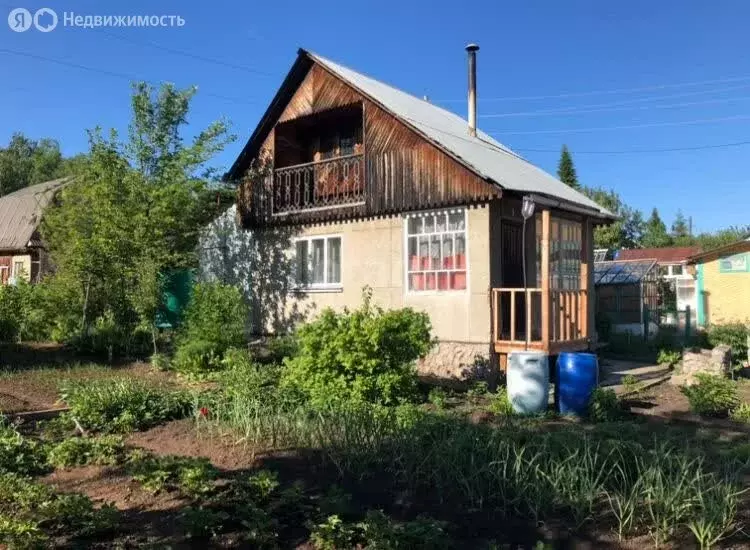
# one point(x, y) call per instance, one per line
point(512, 276)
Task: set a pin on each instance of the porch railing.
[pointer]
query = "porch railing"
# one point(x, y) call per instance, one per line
point(519, 319)
point(323, 184)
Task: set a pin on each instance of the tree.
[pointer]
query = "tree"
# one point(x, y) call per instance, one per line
point(708, 241)
point(135, 212)
point(566, 172)
point(655, 232)
point(681, 231)
point(25, 162)
point(626, 231)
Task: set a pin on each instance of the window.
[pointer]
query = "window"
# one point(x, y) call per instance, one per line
point(677, 269)
point(739, 263)
point(564, 253)
point(436, 250)
point(17, 269)
point(318, 262)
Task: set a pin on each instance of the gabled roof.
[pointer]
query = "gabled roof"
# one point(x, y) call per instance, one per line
point(665, 255)
point(482, 154)
point(21, 213)
point(736, 247)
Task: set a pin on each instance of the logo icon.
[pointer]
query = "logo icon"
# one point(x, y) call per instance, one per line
point(20, 19)
point(40, 13)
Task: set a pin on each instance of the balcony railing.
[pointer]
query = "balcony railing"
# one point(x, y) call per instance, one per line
point(329, 183)
point(520, 320)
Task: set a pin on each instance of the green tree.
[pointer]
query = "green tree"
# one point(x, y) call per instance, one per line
point(626, 231)
point(25, 162)
point(681, 231)
point(722, 237)
point(135, 211)
point(566, 172)
point(655, 232)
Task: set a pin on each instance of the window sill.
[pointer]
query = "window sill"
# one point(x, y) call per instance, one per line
point(317, 289)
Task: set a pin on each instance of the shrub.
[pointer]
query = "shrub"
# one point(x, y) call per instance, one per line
point(123, 405)
point(363, 355)
point(437, 397)
point(83, 451)
point(500, 403)
point(668, 357)
point(741, 413)
point(191, 476)
point(604, 406)
point(712, 395)
point(20, 455)
point(333, 534)
point(214, 322)
point(733, 335)
point(203, 522)
point(36, 509)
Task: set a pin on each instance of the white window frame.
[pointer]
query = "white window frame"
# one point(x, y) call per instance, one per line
point(405, 254)
point(325, 286)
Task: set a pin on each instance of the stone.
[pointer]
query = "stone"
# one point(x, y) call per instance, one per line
point(715, 361)
point(457, 365)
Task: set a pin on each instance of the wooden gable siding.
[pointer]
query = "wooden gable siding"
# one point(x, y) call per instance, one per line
point(404, 172)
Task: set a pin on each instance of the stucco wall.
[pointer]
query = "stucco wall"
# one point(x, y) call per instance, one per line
point(373, 254)
point(26, 270)
point(725, 296)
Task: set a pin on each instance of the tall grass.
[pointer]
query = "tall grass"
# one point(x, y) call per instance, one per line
point(512, 471)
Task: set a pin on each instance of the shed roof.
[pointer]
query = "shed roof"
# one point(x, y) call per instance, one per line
point(736, 247)
point(482, 154)
point(622, 272)
point(20, 213)
point(664, 255)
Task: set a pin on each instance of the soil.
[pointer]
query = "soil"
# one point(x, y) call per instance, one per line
point(181, 438)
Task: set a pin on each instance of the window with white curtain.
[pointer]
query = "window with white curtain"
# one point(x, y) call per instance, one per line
point(318, 262)
point(436, 250)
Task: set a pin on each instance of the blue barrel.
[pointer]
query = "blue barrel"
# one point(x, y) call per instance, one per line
point(577, 378)
point(528, 381)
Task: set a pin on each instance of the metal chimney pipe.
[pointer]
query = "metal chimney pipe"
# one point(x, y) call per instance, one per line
point(472, 51)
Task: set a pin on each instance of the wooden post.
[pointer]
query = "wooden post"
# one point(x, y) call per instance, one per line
point(495, 316)
point(512, 315)
point(545, 278)
point(585, 267)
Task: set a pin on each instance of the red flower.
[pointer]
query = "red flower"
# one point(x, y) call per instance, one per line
point(203, 411)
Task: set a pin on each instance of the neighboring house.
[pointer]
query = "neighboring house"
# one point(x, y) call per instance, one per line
point(724, 284)
point(22, 252)
point(673, 268)
point(372, 186)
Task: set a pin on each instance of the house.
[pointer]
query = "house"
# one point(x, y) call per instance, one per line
point(673, 268)
point(723, 283)
point(22, 252)
point(363, 184)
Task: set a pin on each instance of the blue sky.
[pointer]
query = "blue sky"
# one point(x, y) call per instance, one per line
point(536, 56)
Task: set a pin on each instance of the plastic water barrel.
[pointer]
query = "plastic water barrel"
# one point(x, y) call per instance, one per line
point(577, 378)
point(528, 381)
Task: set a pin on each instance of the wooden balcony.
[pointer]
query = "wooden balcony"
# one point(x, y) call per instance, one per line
point(331, 183)
point(548, 320)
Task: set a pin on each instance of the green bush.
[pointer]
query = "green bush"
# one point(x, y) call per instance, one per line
point(500, 403)
point(124, 405)
point(19, 454)
point(214, 321)
point(712, 395)
point(83, 451)
point(668, 357)
point(741, 413)
point(733, 335)
point(604, 406)
point(367, 354)
point(22, 315)
point(33, 511)
point(438, 397)
point(631, 385)
point(193, 477)
point(382, 533)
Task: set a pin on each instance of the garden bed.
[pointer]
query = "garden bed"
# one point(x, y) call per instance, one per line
point(38, 388)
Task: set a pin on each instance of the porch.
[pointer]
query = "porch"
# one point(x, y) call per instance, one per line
point(552, 316)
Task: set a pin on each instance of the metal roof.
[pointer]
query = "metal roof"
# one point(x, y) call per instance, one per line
point(622, 272)
point(20, 213)
point(664, 255)
point(486, 156)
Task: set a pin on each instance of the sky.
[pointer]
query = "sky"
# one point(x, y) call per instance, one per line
point(623, 84)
